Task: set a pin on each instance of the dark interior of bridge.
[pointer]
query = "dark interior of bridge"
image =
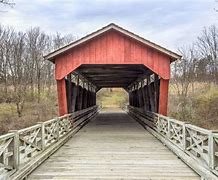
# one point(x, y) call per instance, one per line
point(141, 84)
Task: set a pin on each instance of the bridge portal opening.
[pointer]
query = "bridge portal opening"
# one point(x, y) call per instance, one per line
point(87, 82)
point(112, 98)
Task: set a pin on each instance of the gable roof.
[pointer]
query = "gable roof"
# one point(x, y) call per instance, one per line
point(51, 56)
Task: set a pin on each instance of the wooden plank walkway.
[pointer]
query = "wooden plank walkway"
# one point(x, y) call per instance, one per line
point(113, 146)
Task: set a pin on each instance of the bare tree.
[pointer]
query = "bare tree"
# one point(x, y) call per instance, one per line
point(37, 42)
point(6, 36)
point(23, 70)
point(59, 40)
point(184, 71)
point(7, 2)
point(208, 47)
point(18, 71)
point(183, 79)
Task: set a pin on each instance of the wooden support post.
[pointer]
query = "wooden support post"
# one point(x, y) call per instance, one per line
point(88, 96)
point(133, 98)
point(130, 98)
point(62, 98)
point(163, 96)
point(145, 98)
point(150, 95)
point(84, 99)
point(95, 98)
point(69, 93)
point(77, 93)
point(79, 98)
point(140, 97)
point(156, 92)
point(74, 94)
point(92, 98)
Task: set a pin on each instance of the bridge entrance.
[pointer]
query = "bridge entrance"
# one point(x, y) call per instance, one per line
point(112, 57)
point(112, 98)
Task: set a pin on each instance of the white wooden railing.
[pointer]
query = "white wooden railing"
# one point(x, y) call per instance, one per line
point(198, 143)
point(19, 149)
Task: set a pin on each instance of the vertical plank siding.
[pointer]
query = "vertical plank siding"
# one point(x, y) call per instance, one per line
point(112, 48)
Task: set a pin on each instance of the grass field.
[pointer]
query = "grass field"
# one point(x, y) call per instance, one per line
point(116, 97)
point(33, 112)
point(199, 108)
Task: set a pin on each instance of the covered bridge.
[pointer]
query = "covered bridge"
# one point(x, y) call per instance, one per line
point(112, 57)
point(111, 145)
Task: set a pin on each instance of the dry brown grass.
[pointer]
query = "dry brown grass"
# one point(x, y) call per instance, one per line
point(117, 98)
point(199, 108)
point(33, 112)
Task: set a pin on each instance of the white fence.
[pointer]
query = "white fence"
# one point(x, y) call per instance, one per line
point(19, 148)
point(198, 143)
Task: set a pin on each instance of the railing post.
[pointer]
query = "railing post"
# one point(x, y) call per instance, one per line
point(57, 127)
point(16, 149)
point(211, 150)
point(42, 135)
point(158, 123)
point(168, 128)
point(184, 136)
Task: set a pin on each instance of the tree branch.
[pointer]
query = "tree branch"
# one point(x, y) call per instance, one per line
point(7, 2)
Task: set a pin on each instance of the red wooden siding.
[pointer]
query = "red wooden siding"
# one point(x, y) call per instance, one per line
point(163, 96)
point(62, 98)
point(112, 48)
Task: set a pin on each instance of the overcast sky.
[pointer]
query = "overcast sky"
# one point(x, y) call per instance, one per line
point(171, 23)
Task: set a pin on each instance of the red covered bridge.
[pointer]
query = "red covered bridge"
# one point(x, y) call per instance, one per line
point(113, 57)
point(139, 142)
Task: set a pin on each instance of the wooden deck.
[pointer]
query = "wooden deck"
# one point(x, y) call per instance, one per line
point(113, 146)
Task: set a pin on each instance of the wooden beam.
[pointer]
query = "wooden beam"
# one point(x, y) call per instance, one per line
point(62, 98)
point(74, 94)
point(150, 95)
point(163, 96)
point(69, 92)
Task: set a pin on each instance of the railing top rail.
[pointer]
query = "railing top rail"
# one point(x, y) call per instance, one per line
point(65, 115)
point(215, 135)
point(29, 128)
point(6, 136)
point(177, 121)
point(199, 129)
point(51, 120)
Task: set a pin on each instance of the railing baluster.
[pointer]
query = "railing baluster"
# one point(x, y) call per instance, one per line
point(168, 129)
point(57, 128)
point(158, 123)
